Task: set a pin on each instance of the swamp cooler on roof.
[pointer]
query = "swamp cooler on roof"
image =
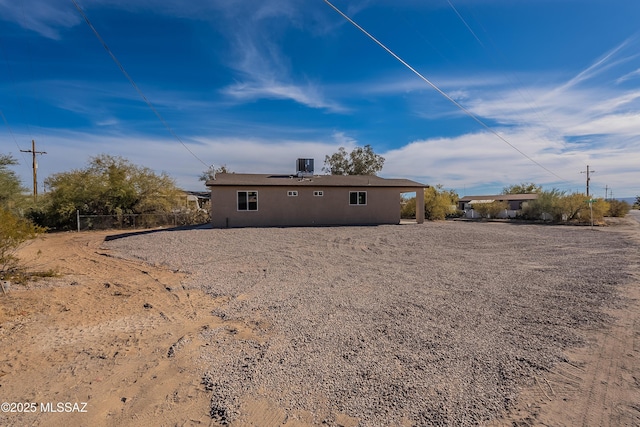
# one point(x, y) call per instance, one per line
point(304, 167)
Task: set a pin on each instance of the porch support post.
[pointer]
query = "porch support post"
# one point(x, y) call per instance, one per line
point(420, 205)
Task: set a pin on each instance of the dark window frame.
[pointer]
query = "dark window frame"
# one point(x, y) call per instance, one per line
point(357, 198)
point(247, 201)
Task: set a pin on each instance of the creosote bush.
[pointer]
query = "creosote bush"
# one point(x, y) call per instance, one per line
point(438, 204)
point(14, 231)
point(490, 210)
point(618, 208)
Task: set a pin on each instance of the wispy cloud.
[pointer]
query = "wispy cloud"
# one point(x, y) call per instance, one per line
point(629, 76)
point(46, 17)
point(264, 71)
point(602, 64)
point(262, 89)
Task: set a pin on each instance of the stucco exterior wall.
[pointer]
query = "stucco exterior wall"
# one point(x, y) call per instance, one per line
point(276, 208)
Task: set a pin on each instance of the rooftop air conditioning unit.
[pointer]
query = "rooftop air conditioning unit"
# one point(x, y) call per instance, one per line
point(304, 167)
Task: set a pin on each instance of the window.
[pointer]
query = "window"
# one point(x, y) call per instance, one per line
point(318, 193)
point(292, 193)
point(247, 200)
point(357, 197)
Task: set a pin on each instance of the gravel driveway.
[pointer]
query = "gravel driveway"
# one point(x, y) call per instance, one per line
point(433, 324)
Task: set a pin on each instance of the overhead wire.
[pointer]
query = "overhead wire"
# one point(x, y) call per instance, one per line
point(465, 23)
point(441, 92)
point(135, 86)
point(543, 119)
point(528, 99)
point(11, 132)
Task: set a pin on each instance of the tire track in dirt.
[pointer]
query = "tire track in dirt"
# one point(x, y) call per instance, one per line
point(599, 383)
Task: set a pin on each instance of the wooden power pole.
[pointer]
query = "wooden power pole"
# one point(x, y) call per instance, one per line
point(588, 178)
point(35, 167)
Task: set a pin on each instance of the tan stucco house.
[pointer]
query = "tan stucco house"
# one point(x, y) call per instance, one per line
point(304, 199)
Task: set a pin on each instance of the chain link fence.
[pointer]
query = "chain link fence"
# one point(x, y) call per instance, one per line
point(138, 221)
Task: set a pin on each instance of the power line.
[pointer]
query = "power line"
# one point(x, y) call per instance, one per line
point(441, 92)
point(528, 99)
point(10, 131)
point(465, 23)
point(133, 83)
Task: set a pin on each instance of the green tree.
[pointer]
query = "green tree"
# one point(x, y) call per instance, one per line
point(361, 161)
point(12, 193)
point(210, 173)
point(523, 188)
point(108, 186)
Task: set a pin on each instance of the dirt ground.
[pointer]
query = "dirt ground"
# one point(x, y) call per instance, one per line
point(95, 338)
point(596, 384)
point(100, 338)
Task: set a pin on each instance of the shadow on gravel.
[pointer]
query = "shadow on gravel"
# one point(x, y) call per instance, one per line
point(156, 230)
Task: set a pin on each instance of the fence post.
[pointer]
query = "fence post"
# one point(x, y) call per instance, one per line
point(78, 219)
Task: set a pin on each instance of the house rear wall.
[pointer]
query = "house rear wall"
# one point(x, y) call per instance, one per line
point(276, 208)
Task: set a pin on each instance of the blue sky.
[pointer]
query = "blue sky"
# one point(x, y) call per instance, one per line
point(254, 85)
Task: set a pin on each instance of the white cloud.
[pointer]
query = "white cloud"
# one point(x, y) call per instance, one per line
point(262, 89)
point(610, 124)
point(479, 163)
point(45, 17)
point(632, 75)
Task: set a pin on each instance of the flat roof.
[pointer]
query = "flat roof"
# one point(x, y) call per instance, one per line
point(529, 196)
point(273, 180)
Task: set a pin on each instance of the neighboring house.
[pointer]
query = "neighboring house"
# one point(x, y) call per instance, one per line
point(303, 199)
point(515, 203)
point(197, 200)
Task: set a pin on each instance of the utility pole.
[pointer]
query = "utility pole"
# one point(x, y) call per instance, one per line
point(606, 191)
point(588, 178)
point(35, 167)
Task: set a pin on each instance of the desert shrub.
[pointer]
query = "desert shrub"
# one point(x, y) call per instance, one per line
point(618, 208)
point(573, 207)
point(408, 208)
point(546, 203)
point(14, 231)
point(490, 210)
point(600, 208)
point(439, 203)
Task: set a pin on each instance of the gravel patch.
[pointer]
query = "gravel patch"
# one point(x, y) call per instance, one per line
point(438, 324)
